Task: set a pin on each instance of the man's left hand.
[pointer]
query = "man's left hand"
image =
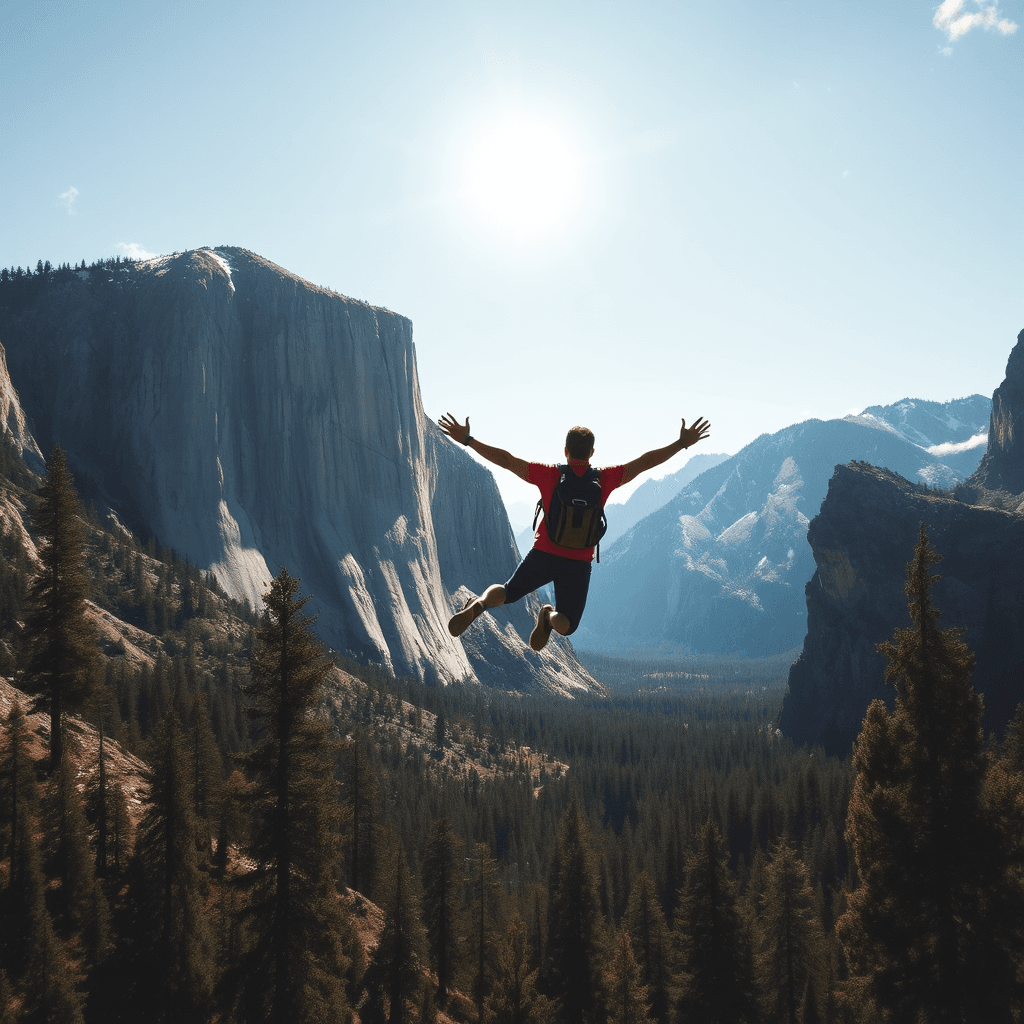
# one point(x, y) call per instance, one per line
point(691, 435)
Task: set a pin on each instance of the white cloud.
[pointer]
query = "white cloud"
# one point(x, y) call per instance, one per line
point(135, 251)
point(951, 18)
point(68, 198)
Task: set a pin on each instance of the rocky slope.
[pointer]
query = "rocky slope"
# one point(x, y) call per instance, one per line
point(252, 420)
point(721, 568)
point(862, 540)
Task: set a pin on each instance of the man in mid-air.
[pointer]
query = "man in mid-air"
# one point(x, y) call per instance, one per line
point(563, 489)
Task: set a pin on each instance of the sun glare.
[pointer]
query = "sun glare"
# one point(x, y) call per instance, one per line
point(524, 178)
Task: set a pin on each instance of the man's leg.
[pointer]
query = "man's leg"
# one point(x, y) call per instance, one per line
point(493, 596)
point(572, 583)
point(536, 570)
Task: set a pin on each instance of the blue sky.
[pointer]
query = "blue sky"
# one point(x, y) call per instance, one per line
point(609, 213)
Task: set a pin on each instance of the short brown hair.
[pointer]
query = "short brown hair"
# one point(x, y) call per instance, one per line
point(580, 442)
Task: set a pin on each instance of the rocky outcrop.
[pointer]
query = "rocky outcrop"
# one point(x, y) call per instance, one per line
point(862, 540)
point(13, 427)
point(1002, 467)
point(251, 420)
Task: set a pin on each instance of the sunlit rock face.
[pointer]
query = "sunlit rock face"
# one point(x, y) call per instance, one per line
point(13, 429)
point(862, 540)
point(251, 420)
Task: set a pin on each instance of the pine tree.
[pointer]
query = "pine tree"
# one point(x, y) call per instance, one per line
point(359, 789)
point(442, 904)
point(514, 999)
point(714, 968)
point(63, 664)
point(395, 973)
point(627, 994)
point(790, 941)
point(172, 946)
point(651, 941)
point(295, 968)
point(576, 946)
point(49, 986)
point(81, 902)
point(923, 932)
point(19, 797)
point(486, 917)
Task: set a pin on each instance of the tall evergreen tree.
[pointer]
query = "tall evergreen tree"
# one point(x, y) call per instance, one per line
point(295, 969)
point(442, 904)
point(19, 797)
point(576, 946)
point(396, 971)
point(359, 789)
point(714, 964)
point(923, 932)
point(486, 918)
point(627, 993)
point(791, 947)
point(515, 999)
point(63, 664)
point(172, 947)
point(81, 903)
point(651, 942)
point(50, 993)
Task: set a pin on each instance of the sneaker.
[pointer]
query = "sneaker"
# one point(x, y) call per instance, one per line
point(460, 620)
point(542, 631)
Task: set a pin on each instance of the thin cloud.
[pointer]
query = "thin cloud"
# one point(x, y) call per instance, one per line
point(68, 199)
point(135, 251)
point(951, 18)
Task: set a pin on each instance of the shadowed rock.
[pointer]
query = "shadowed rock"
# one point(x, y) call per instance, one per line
point(252, 420)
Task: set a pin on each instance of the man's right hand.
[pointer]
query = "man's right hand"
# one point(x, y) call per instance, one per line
point(457, 431)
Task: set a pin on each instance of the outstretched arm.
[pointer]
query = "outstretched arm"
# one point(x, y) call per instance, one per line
point(687, 436)
point(459, 432)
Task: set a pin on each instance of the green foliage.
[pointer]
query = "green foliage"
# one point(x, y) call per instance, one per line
point(515, 999)
point(714, 966)
point(926, 931)
point(172, 944)
point(577, 937)
point(395, 975)
point(442, 903)
point(628, 1001)
point(295, 968)
point(791, 947)
point(651, 941)
point(62, 665)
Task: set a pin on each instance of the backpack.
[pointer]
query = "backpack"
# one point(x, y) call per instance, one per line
point(575, 518)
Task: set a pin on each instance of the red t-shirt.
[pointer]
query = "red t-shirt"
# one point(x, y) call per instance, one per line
point(546, 478)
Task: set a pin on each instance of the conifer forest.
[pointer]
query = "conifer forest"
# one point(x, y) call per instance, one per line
point(205, 816)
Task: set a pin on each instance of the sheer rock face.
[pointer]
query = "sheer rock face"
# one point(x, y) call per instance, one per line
point(13, 428)
point(862, 540)
point(251, 420)
point(1002, 467)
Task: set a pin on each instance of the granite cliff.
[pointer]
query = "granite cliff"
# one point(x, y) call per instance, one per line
point(862, 540)
point(251, 420)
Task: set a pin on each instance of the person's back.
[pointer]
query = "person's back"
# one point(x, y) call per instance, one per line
point(565, 562)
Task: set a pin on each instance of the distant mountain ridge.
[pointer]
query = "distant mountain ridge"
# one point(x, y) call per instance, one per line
point(721, 567)
point(862, 540)
point(252, 420)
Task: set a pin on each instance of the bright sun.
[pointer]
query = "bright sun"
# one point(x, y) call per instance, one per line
point(523, 178)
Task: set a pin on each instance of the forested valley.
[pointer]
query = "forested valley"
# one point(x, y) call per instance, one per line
point(204, 816)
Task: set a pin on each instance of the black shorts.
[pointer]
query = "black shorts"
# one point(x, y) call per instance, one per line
point(571, 577)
